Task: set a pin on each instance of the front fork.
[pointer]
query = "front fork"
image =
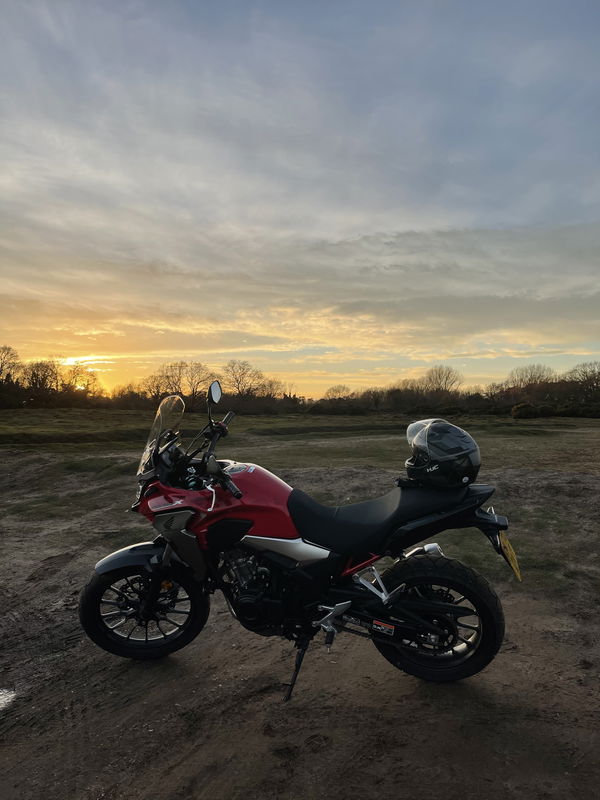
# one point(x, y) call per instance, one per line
point(157, 573)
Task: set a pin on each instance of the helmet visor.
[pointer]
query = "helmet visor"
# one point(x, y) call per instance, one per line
point(416, 427)
point(443, 441)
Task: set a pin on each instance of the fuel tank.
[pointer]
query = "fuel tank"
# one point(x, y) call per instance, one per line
point(263, 506)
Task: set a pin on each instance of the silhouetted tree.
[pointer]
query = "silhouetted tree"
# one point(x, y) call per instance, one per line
point(442, 379)
point(242, 379)
point(42, 376)
point(10, 364)
point(587, 377)
point(338, 392)
point(529, 374)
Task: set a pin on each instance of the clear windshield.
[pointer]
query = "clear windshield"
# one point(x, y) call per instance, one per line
point(168, 416)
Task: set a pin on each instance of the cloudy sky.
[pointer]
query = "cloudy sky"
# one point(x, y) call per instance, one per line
point(336, 191)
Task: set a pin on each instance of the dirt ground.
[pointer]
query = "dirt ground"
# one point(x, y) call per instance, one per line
point(208, 722)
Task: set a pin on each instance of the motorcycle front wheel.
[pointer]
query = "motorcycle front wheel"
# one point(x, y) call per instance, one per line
point(115, 612)
point(471, 636)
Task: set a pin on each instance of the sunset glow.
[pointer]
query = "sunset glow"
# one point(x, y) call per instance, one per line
point(335, 198)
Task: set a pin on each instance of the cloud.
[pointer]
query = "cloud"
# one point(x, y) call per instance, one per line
point(375, 190)
point(388, 303)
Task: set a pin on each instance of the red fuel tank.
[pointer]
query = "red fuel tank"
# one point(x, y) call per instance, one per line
point(264, 503)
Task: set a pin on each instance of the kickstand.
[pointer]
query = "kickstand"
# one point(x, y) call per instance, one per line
point(302, 648)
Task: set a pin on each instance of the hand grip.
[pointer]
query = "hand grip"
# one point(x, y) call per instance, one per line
point(231, 487)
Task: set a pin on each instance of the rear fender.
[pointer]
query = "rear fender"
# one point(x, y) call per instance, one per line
point(491, 524)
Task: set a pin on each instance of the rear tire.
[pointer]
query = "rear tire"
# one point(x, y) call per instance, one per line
point(109, 612)
point(470, 645)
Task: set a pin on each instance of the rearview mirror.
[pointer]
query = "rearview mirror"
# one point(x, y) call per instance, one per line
point(214, 392)
point(212, 466)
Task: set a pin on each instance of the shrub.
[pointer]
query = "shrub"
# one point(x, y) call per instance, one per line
point(524, 411)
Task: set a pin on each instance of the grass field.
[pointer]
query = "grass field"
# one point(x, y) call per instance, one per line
point(303, 440)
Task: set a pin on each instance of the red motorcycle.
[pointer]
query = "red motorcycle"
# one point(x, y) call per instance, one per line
point(291, 567)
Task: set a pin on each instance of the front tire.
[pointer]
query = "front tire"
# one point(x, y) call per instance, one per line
point(112, 612)
point(471, 639)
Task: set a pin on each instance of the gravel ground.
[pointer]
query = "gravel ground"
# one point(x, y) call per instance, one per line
point(208, 722)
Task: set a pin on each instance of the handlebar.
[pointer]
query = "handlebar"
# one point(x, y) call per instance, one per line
point(231, 487)
point(212, 433)
point(219, 430)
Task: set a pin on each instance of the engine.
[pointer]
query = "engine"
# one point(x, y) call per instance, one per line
point(248, 582)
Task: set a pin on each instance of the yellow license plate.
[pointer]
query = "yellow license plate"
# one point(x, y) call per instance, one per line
point(509, 554)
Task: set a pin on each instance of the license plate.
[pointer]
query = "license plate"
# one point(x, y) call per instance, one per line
point(509, 554)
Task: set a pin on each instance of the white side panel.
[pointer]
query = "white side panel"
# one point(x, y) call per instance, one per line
point(297, 549)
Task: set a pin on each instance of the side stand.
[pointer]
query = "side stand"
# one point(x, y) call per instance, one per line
point(302, 646)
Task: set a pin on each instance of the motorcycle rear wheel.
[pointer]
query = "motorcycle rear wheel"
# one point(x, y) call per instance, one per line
point(109, 611)
point(472, 639)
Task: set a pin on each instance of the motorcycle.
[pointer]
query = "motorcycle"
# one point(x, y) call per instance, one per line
point(291, 567)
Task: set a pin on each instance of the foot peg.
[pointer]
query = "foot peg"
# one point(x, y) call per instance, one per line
point(333, 612)
point(327, 621)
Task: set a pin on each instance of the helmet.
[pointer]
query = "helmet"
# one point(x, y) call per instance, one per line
point(443, 455)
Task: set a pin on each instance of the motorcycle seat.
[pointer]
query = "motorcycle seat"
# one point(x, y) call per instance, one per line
point(363, 527)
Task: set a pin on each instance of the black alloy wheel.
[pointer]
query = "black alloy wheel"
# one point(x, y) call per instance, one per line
point(471, 635)
point(133, 614)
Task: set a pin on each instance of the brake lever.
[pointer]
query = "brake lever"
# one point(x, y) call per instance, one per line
point(211, 488)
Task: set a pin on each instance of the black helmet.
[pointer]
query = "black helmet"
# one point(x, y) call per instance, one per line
point(443, 455)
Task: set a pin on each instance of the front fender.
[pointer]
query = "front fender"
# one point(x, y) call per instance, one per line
point(142, 554)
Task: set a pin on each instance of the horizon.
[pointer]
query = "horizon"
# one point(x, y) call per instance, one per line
point(336, 198)
point(463, 386)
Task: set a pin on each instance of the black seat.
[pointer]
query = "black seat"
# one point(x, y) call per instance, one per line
point(363, 527)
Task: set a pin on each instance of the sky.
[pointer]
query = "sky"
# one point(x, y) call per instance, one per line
point(339, 192)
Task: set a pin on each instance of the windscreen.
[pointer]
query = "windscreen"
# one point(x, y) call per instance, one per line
point(168, 416)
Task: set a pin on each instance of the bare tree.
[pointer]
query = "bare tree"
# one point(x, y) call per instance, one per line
point(272, 387)
point(42, 376)
point(154, 386)
point(338, 392)
point(587, 375)
point(187, 378)
point(80, 378)
point(242, 378)
point(9, 363)
point(529, 374)
point(174, 375)
point(197, 378)
point(442, 379)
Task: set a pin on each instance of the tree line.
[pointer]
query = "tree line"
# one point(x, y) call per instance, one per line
point(49, 383)
point(532, 390)
point(528, 391)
